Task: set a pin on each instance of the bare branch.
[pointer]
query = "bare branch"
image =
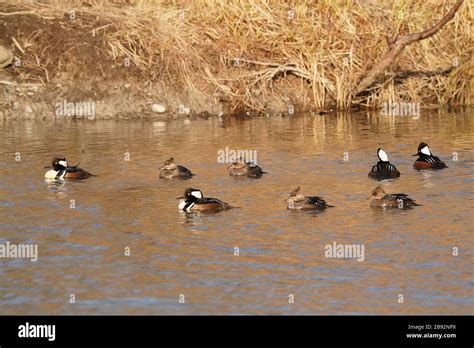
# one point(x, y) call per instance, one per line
point(397, 47)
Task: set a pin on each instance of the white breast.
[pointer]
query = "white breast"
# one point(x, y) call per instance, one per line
point(181, 204)
point(50, 174)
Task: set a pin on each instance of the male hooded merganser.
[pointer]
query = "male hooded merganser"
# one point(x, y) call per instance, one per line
point(193, 200)
point(248, 169)
point(379, 198)
point(299, 201)
point(426, 160)
point(383, 169)
point(171, 170)
point(62, 170)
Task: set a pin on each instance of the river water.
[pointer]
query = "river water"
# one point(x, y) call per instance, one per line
point(83, 229)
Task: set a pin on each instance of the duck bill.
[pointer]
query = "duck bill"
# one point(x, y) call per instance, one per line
point(48, 167)
point(415, 154)
point(179, 197)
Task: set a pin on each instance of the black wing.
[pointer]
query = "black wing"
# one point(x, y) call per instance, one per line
point(399, 195)
point(72, 169)
point(256, 171)
point(435, 161)
point(316, 201)
point(438, 163)
point(207, 200)
point(406, 201)
point(182, 169)
point(384, 170)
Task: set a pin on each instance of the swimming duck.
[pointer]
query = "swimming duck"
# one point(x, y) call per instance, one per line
point(171, 170)
point(383, 169)
point(379, 198)
point(193, 200)
point(248, 169)
point(299, 201)
point(60, 169)
point(426, 160)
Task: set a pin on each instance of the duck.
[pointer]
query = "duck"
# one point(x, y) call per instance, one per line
point(298, 201)
point(171, 170)
point(60, 169)
point(379, 198)
point(383, 169)
point(426, 160)
point(194, 201)
point(248, 169)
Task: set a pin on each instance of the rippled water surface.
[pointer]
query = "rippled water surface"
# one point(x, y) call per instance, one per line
point(81, 250)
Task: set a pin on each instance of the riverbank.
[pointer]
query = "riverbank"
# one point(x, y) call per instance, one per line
point(140, 59)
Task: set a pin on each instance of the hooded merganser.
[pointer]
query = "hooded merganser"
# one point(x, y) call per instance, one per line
point(379, 198)
point(383, 169)
point(426, 160)
point(248, 169)
point(193, 200)
point(62, 170)
point(171, 170)
point(299, 201)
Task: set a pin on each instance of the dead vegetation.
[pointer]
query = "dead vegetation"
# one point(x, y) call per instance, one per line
point(244, 52)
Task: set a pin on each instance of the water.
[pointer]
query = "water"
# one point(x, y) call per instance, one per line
point(81, 250)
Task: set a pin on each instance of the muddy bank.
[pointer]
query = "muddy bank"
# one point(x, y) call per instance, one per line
point(59, 61)
point(100, 100)
point(121, 99)
point(168, 60)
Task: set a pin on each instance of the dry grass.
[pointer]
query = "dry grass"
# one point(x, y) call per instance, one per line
point(242, 51)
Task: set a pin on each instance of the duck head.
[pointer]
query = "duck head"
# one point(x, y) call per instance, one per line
point(382, 155)
point(377, 193)
point(423, 149)
point(296, 195)
point(191, 194)
point(58, 163)
point(169, 164)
